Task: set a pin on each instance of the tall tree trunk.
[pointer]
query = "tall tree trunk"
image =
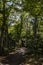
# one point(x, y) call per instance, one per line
point(4, 29)
point(21, 25)
point(35, 27)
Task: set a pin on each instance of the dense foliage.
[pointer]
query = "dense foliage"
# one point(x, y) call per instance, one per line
point(21, 25)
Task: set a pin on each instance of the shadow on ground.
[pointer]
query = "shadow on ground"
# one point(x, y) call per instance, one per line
point(13, 59)
point(34, 60)
point(19, 59)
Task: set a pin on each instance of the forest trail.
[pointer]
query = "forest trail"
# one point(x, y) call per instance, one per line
point(14, 58)
point(17, 58)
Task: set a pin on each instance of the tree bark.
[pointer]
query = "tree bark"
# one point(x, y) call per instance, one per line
point(4, 28)
point(35, 27)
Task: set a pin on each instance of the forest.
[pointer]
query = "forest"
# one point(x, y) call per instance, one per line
point(21, 32)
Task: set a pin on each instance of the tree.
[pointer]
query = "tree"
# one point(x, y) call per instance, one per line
point(5, 11)
point(34, 8)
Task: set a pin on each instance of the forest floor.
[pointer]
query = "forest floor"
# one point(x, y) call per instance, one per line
point(18, 58)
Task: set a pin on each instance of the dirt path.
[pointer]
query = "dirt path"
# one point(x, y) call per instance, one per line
point(17, 58)
point(14, 58)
